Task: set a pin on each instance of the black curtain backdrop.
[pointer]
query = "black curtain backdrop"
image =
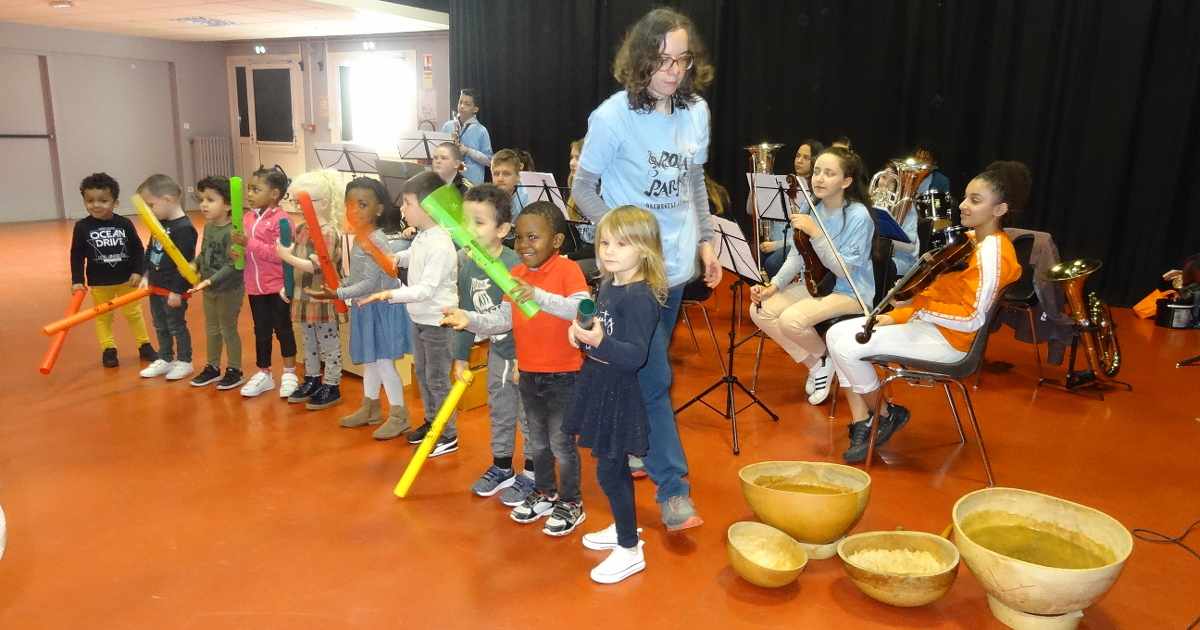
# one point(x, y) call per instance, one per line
point(1101, 99)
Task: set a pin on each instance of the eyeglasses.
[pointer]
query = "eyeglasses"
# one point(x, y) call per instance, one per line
point(667, 62)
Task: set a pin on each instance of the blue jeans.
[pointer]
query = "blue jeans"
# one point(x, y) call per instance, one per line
point(665, 462)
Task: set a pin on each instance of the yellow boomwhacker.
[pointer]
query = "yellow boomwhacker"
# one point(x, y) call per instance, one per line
point(435, 431)
point(156, 229)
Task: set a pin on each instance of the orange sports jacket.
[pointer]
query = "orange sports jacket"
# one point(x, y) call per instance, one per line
point(958, 302)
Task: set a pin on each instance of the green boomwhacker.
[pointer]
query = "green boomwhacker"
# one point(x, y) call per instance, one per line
point(445, 206)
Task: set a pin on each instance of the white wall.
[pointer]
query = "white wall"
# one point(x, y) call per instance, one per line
point(24, 163)
point(316, 81)
point(202, 104)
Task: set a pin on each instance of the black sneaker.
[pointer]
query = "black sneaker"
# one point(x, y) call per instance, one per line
point(210, 374)
point(306, 390)
point(146, 352)
point(417, 435)
point(443, 446)
point(564, 518)
point(233, 377)
point(324, 396)
point(897, 417)
point(859, 432)
point(109, 358)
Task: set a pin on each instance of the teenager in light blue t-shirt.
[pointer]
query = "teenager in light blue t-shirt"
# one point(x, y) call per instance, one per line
point(473, 137)
point(646, 146)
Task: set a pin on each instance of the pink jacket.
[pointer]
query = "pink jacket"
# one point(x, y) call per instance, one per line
point(264, 270)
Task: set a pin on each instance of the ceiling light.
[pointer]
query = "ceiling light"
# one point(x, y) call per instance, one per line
point(368, 45)
point(61, 4)
point(259, 49)
point(202, 21)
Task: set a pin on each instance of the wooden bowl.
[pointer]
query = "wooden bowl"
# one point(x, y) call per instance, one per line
point(747, 542)
point(899, 589)
point(1018, 586)
point(815, 520)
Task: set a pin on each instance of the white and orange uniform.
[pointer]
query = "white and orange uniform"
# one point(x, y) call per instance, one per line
point(940, 323)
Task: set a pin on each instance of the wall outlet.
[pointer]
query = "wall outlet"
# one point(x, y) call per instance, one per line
point(191, 189)
point(187, 126)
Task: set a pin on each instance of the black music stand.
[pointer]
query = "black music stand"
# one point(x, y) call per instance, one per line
point(419, 145)
point(736, 255)
point(347, 158)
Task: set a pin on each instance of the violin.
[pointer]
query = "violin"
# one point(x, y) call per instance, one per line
point(817, 278)
point(955, 255)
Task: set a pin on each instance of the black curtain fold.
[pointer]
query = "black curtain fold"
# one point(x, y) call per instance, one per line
point(1100, 98)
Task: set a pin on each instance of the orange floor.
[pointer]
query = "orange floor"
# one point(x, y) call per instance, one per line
point(135, 504)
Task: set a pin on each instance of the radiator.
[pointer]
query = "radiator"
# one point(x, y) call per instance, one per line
point(211, 156)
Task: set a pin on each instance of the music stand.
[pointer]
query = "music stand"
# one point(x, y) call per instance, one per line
point(348, 158)
point(542, 187)
point(736, 255)
point(419, 145)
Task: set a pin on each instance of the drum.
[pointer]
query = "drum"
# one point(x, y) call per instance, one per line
point(940, 210)
point(1174, 315)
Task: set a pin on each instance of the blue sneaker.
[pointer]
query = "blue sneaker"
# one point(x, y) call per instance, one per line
point(493, 480)
point(521, 487)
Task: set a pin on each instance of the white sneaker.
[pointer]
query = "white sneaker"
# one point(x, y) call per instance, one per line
point(180, 370)
point(604, 539)
point(158, 368)
point(822, 376)
point(620, 564)
point(259, 383)
point(288, 383)
point(810, 384)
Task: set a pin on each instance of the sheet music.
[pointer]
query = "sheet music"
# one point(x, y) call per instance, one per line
point(346, 157)
point(734, 251)
point(772, 200)
point(536, 186)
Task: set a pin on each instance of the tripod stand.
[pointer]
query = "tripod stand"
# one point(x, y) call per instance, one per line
point(734, 253)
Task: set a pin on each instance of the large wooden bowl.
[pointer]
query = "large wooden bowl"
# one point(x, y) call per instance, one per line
point(1025, 587)
point(812, 519)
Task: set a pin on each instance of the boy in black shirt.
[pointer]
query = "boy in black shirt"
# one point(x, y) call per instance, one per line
point(107, 252)
point(168, 287)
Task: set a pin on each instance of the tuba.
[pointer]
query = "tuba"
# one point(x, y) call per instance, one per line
point(1092, 318)
point(762, 160)
point(895, 187)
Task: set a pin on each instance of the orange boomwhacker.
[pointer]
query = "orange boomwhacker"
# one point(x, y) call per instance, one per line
point(100, 309)
point(60, 337)
point(318, 242)
point(362, 236)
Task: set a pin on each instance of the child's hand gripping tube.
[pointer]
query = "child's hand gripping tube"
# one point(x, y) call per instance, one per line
point(445, 206)
point(586, 314)
point(239, 225)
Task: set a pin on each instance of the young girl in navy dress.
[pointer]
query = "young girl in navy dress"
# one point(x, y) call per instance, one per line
point(608, 413)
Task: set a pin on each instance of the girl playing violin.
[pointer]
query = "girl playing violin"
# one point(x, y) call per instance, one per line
point(788, 311)
point(941, 322)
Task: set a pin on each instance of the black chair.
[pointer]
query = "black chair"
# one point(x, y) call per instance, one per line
point(1022, 296)
point(695, 294)
point(927, 373)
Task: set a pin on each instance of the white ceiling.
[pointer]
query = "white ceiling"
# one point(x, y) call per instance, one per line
point(251, 19)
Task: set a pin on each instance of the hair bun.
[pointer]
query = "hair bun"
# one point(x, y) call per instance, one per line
point(1016, 182)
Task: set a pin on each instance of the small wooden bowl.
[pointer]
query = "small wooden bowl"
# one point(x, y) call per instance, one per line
point(789, 555)
point(897, 589)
